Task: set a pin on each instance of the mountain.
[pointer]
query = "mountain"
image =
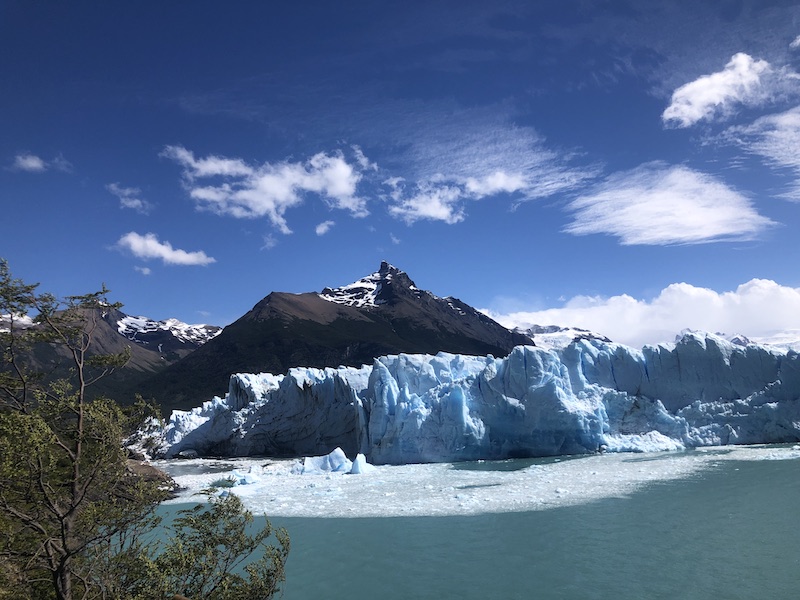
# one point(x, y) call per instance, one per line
point(172, 338)
point(153, 345)
point(383, 313)
point(554, 337)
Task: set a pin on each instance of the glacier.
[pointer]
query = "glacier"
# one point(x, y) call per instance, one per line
point(590, 396)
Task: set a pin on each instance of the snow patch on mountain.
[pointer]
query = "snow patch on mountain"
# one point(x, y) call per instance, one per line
point(19, 322)
point(132, 327)
point(362, 293)
point(554, 337)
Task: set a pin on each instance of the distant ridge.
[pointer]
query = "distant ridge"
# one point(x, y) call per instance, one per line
point(382, 313)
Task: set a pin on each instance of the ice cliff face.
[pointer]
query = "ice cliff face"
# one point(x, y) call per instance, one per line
point(589, 396)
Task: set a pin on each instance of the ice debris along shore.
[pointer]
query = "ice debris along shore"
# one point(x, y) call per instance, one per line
point(284, 487)
point(590, 396)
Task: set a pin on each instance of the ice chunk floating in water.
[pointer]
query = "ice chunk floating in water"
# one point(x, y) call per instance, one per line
point(590, 396)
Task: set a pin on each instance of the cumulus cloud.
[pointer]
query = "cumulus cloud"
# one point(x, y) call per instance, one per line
point(741, 82)
point(130, 198)
point(776, 138)
point(32, 163)
point(760, 308)
point(430, 201)
point(496, 183)
point(149, 247)
point(269, 190)
point(324, 227)
point(143, 270)
point(659, 204)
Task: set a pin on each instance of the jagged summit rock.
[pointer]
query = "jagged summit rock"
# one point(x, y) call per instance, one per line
point(382, 313)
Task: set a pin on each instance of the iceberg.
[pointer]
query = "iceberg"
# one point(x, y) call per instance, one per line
point(590, 396)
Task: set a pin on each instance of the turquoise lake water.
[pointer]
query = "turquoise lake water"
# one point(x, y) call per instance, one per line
point(729, 532)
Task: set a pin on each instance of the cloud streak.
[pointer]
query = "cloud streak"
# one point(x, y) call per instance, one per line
point(658, 204)
point(324, 227)
point(269, 190)
point(31, 163)
point(148, 247)
point(130, 198)
point(759, 308)
point(776, 138)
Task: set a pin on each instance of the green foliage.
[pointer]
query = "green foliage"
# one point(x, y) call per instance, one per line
point(74, 518)
point(213, 554)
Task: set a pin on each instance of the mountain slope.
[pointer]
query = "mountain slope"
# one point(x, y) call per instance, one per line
point(384, 313)
point(153, 345)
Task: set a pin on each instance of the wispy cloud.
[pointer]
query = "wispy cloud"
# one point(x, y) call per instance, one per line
point(149, 247)
point(269, 190)
point(324, 227)
point(776, 138)
point(659, 204)
point(478, 154)
point(744, 81)
point(143, 270)
point(130, 198)
point(269, 242)
point(758, 308)
point(32, 163)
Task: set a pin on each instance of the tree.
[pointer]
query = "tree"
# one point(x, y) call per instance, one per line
point(74, 519)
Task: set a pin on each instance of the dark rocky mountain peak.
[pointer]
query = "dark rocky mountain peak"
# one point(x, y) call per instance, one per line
point(381, 287)
point(382, 313)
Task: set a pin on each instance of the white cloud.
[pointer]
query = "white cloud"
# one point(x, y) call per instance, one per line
point(363, 161)
point(395, 240)
point(463, 155)
point(658, 204)
point(742, 81)
point(758, 308)
point(795, 43)
point(433, 202)
point(324, 227)
point(143, 270)
point(148, 247)
point(269, 190)
point(130, 198)
point(777, 139)
point(29, 162)
point(270, 241)
point(496, 183)
point(35, 164)
point(59, 163)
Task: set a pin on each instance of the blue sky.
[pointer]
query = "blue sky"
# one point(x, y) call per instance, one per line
point(631, 167)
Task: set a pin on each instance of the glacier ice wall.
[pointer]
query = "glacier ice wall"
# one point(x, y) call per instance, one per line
point(589, 396)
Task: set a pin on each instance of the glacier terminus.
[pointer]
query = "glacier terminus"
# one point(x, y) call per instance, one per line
point(589, 396)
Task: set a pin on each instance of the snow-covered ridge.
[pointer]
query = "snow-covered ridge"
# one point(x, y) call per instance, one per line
point(590, 396)
point(554, 337)
point(362, 293)
point(20, 322)
point(366, 292)
point(132, 327)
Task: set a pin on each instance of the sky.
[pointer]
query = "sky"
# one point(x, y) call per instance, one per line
point(627, 167)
